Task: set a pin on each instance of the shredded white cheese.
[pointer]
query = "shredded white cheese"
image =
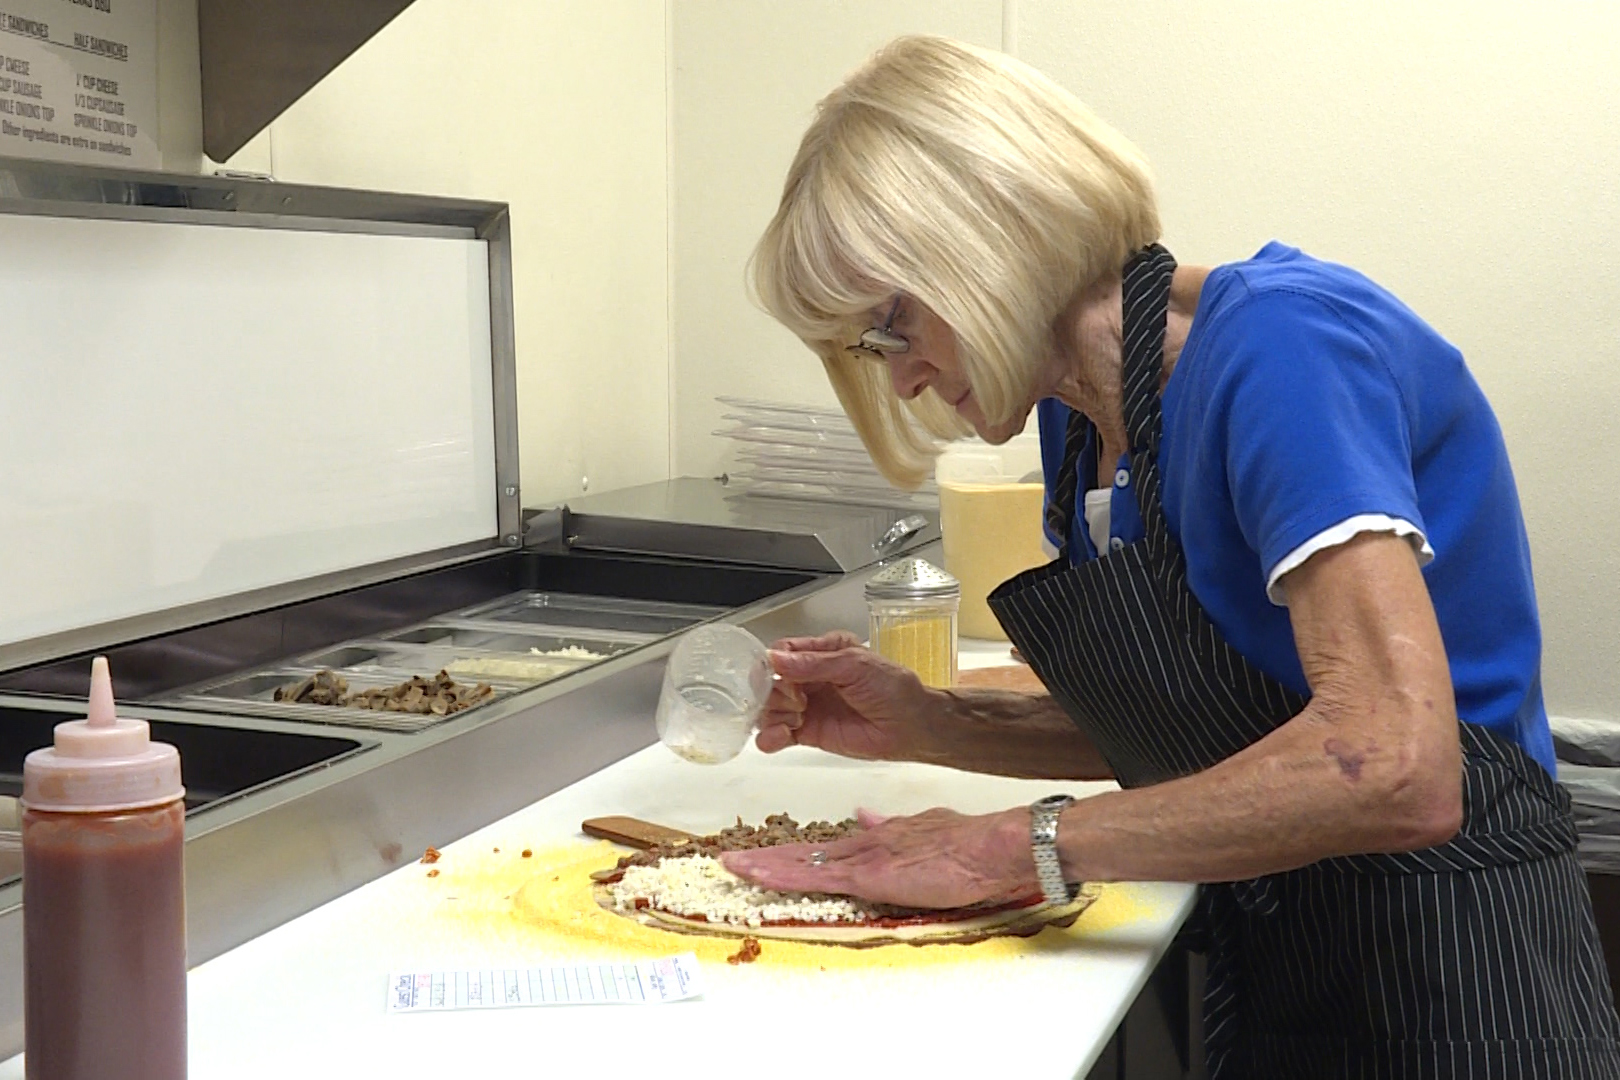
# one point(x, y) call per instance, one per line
point(503, 668)
point(570, 652)
point(544, 665)
point(698, 885)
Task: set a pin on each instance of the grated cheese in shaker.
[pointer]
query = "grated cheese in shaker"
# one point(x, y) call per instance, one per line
point(913, 608)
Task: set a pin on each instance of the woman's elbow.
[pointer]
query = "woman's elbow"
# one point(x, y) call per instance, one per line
point(1426, 804)
point(1434, 822)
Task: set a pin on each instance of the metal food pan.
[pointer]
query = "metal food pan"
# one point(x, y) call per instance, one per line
point(254, 694)
point(405, 659)
point(502, 637)
point(347, 656)
point(316, 714)
point(513, 662)
point(258, 686)
point(644, 622)
point(592, 613)
point(523, 668)
point(466, 664)
point(262, 685)
point(365, 659)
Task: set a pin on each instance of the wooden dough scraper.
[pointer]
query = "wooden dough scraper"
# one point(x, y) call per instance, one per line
point(632, 832)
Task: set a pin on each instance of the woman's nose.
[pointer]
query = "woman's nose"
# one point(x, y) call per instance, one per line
point(909, 374)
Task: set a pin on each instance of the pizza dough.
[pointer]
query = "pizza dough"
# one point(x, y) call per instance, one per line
point(683, 887)
point(932, 928)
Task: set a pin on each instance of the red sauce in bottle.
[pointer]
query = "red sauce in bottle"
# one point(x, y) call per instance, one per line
point(104, 900)
point(105, 945)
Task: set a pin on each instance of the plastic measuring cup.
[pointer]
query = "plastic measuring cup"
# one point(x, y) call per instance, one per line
point(715, 687)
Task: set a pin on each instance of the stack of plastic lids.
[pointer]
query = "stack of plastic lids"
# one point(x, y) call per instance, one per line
point(1589, 769)
point(803, 452)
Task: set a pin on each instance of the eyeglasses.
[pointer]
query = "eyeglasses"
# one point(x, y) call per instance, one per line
point(878, 342)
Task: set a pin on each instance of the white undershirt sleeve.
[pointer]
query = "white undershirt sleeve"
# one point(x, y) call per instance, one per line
point(1338, 534)
point(1099, 517)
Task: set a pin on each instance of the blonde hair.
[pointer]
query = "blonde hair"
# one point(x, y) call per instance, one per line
point(969, 181)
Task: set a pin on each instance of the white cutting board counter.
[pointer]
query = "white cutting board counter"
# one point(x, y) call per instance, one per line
point(307, 999)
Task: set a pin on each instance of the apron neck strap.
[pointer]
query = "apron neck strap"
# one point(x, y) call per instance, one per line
point(1145, 306)
point(1145, 302)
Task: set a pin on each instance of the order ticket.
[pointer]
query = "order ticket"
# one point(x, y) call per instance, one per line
point(648, 982)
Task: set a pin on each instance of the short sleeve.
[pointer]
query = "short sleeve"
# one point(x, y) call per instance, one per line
point(1312, 422)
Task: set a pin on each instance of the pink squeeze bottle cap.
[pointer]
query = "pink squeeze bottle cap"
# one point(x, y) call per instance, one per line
point(103, 762)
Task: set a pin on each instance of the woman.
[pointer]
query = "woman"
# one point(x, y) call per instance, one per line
point(1293, 614)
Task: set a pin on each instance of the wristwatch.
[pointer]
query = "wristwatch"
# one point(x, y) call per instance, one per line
point(1043, 830)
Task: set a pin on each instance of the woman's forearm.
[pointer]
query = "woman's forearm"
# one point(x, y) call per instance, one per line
point(1372, 764)
point(1305, 792)
point(1006, 733)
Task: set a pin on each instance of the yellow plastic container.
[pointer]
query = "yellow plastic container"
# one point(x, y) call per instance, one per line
point(913, 610)
point(990, 501)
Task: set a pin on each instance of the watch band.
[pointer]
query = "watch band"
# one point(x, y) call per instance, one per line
point(1043, 829)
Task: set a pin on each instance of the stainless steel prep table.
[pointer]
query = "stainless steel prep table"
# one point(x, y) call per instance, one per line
point(307, 998)
point(256, 861)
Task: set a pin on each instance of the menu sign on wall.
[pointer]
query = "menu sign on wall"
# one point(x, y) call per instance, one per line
point(78, 80)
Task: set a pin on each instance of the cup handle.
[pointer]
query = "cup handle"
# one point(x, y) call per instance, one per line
point(899, 533)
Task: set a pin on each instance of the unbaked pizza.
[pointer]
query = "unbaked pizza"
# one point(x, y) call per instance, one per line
point(682, 886)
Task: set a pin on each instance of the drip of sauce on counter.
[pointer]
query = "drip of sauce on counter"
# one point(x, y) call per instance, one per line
point(104, 918)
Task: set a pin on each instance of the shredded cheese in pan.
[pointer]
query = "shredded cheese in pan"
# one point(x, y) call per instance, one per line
point(541, 667)
point(698, 885)
point(503, 668)
point(570, 652)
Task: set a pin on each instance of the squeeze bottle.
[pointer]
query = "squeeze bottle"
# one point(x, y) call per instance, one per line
point(104, 912)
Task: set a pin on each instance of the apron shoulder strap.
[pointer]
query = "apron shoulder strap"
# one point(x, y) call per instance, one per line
point(1066, 489)
point(1144, 303)
point(1145, 297)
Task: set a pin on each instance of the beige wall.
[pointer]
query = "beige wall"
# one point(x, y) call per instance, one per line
point(179, 87)
point(1465, 154)
point(558, 108)
point(747, 77)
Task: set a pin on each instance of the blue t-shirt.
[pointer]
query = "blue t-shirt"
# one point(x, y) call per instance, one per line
point(1306, 395)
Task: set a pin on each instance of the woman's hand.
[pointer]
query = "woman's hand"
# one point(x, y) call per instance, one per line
point(840, 697)
point(936, 859)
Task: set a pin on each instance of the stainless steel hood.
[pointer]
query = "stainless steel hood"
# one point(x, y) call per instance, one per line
point(693, 517)
point(259, 58)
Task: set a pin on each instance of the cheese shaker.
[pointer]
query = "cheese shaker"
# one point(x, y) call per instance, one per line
point(913, 608)
point(104, 917)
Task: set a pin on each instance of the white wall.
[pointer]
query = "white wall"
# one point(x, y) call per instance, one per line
point(559, 109)
point(1465, 154)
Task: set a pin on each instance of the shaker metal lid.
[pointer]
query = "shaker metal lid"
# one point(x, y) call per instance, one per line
point(912, 579)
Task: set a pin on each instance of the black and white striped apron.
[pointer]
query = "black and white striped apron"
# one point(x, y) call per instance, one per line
point(1478, 958)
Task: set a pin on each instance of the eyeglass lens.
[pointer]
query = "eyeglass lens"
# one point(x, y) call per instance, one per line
point(879, 341)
